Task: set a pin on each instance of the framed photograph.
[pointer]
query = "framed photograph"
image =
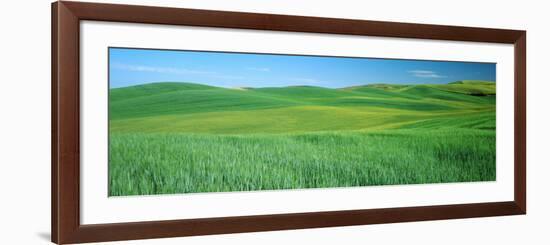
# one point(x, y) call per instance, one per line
point(174, 122)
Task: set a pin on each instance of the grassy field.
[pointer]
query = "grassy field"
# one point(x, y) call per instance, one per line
point(184, 138)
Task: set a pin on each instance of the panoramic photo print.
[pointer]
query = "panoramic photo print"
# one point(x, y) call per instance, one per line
point(196, 121)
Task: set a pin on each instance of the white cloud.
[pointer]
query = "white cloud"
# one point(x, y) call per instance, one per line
point(227, 77)
point(305, 80)
point(156, 69)
point(262, 69)
point(313, 82)
point(426, 74)
point(173, 70)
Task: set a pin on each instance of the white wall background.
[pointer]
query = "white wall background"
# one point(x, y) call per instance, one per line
point(25, 121)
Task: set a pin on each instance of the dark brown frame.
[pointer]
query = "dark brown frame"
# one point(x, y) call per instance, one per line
point(65, 175)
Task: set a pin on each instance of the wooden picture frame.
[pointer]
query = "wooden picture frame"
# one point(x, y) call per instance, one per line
point(65, 175)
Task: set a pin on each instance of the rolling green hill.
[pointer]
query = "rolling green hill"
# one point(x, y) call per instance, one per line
point(187, 107)
point(173, 137)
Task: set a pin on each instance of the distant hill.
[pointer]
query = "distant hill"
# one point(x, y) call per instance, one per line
point(474, 82)
point(190, 107)
point(471, 87)
point(129, 92)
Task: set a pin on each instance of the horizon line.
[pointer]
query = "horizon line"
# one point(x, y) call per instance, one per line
point(298, 85)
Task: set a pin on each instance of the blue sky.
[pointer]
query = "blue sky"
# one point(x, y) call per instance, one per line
point(129, 67)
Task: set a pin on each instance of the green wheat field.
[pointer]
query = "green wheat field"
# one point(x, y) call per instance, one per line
point(173, 137)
